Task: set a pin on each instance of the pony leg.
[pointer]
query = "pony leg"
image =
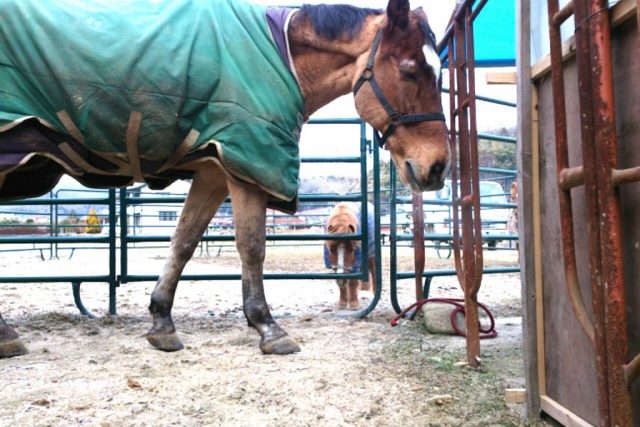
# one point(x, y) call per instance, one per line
point(249, 210)
point(344, 296)
point(372, 274)
point(10, 344)
point(208, 191)
point(353, 302)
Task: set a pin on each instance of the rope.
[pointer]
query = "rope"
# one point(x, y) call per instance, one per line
point(488, 332)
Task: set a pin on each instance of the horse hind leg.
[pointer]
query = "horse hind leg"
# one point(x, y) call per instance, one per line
point(10, 344)
point(249, 209)
point(208, 191)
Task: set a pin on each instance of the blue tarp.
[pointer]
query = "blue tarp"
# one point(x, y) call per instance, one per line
point(494, 33)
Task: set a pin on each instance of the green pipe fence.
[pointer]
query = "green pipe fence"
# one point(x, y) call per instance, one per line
point(107, 242)
point(128, 241)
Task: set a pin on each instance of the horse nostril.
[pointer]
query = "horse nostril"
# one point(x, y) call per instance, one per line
point(435, 173)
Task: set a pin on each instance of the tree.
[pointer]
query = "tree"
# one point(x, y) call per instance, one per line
point(93, 223)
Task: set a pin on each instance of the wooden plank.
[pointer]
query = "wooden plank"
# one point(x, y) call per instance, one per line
point(543, 66)
point(503, 78)
point(515, 395)
point(621, 12)
point(537, 242)
point(525, 229)
point(561, 414)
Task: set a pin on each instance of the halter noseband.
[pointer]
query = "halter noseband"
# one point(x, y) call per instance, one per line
point(396, 118)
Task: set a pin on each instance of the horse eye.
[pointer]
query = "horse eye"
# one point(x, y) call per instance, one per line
point(407, 75)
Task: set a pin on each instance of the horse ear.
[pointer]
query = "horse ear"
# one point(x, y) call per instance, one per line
point(352, 229)
point(398, 14)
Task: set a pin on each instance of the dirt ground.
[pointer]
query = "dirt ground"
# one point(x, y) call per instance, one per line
point(350, 372)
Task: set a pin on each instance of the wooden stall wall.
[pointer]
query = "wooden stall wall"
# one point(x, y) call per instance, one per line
point(568, 366)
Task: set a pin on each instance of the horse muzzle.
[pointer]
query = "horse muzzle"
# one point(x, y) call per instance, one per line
point(432, 180)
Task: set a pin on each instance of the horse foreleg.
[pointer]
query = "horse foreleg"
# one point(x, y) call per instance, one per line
point(10, 344)
point(208, 191)
point(249, 210)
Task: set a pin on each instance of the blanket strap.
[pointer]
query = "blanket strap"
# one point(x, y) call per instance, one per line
point(131, 140)
point(182, 150)
point(77, 159)
point(71, 127)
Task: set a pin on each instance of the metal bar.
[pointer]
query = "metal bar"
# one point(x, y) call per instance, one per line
point(562, 160)
point(124, 247)
point(180, 200)
point(465, 201)
point(585, 95)
point(615, 321)
point(41, 202)
point(418, 241)
point(453, 97)
point(625, 176)
point(452, 272)
point(563, 14)
point(231, 238)
point(489, 99)
point(632, 371)
point(113, 273)
point(393, 267)
point(472, 286)
point(330, 160)
point(569, 178)
point(376, 204)
point(77, 298)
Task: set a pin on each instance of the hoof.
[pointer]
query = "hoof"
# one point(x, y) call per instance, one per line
point(12, 348)
point(165, 342)
point(355, 306)
point(282, 345)
point(341, 305)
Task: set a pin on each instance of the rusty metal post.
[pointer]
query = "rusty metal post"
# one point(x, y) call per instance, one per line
point(473, 152)
point(465, 201)
point(453, 138)
point(617, 345)
point(562, 160)
point(418, 242)
point(590, 181)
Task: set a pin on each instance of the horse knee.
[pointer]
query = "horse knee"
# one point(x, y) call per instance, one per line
point(183, 250)
point(252, 250)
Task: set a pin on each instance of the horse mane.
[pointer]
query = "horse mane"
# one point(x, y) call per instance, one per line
point(334, 21)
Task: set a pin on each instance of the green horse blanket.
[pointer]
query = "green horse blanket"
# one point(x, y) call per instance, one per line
point(137, 88)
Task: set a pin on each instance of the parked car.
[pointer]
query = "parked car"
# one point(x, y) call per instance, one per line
point(439, 214)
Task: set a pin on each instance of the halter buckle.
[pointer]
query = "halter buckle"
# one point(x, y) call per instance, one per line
point(396, 117)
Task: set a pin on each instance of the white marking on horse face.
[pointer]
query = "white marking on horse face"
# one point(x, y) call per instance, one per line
point(340, 258)
point(433, 60)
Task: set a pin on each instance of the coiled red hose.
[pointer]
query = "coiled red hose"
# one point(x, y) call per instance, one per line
point(488, 332)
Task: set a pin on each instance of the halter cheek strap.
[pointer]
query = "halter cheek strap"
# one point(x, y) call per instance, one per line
point(397, 118)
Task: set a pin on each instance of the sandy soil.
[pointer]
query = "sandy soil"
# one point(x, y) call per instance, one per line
point(351, 372)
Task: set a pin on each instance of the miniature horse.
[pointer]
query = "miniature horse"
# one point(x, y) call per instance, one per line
point(346, 255)
point(386, 58)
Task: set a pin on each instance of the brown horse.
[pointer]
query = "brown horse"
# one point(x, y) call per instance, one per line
point(385, 57)
point(346, 255)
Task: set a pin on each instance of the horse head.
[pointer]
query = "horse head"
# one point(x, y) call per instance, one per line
point(342, 253)
point(397, 91)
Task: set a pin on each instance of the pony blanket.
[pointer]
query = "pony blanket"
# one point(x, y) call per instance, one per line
point(141, 86)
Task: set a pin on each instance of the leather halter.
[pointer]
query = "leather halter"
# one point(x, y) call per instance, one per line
point(397, 118)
